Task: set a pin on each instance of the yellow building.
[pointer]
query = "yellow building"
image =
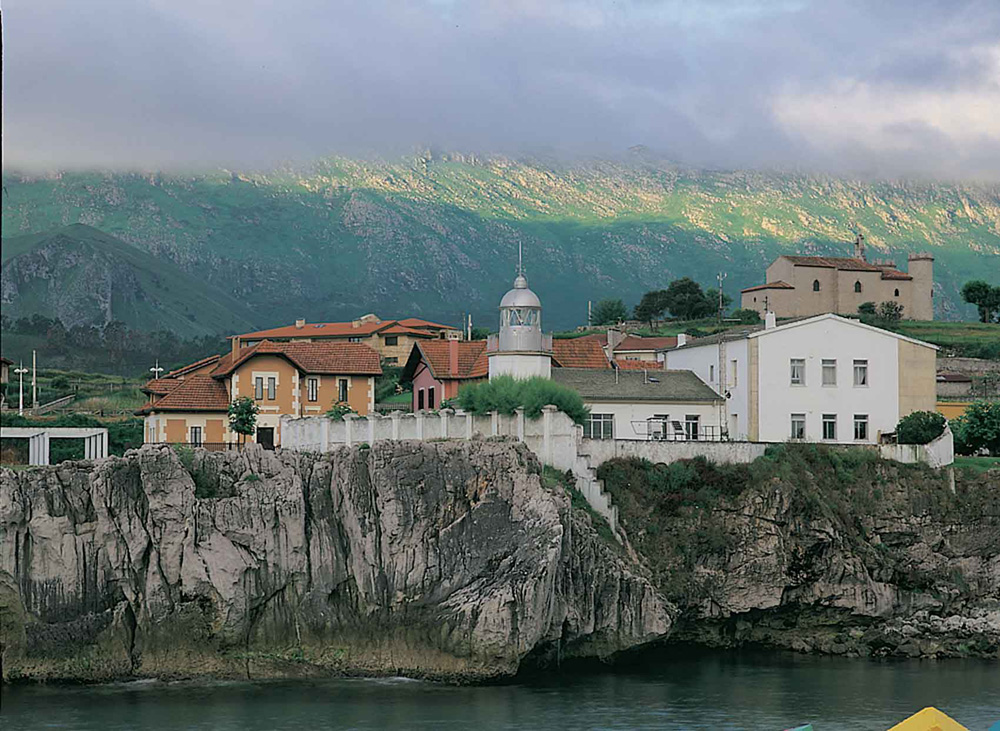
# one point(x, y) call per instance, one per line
point(393, 340)
point(190, 405)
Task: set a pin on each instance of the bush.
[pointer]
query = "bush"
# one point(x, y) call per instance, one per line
point(339, 411)
point(747, 316)
point(504, 394)
point(978, 428)
point(920, 427)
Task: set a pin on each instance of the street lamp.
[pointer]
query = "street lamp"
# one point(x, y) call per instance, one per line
point(156, 370)
point(20, 371)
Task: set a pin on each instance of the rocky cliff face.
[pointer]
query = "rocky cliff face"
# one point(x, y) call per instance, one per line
point(432, 559)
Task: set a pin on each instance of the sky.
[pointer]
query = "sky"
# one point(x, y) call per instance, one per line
point(889, 88)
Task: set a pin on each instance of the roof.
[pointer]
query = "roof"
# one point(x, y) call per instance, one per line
point(193, 367)
point(346, 358)
point(631, 386)
point(953, 378)
point(161, 386)
point(363, 329)
point(520, 295)
point(8, 361)
point(418, 323)
point(638, 365)
point(728, 335)
point(830, 316)
point(635, 342)
point(197, 393)
point(769, 285)
point(472, 361)
point(844, 263)
point(895, 274)
point(579, 353)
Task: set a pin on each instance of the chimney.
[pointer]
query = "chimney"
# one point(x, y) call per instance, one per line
point(453, 357)
point(859, 247)
point(682, 339)
point(299, 324)
point(770, 321)
point(235, 347)
point(615, 338)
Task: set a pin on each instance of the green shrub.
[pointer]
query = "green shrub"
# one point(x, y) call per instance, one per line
point(747, 316)
point(505, 394)
point(339, 410)
point(978, 428)
point(920, 427)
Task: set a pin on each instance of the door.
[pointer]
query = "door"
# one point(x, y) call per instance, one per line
point(265, 436)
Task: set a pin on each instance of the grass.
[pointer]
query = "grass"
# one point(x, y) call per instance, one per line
point(398, 398)
point(978, 465)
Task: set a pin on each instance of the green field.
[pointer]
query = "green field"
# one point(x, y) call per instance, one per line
point(977, 464)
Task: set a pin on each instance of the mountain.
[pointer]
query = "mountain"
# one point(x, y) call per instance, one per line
point(436, 235)
point(86, 277)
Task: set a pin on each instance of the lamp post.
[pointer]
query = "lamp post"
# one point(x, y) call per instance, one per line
point(20, 371)
point(156, 370)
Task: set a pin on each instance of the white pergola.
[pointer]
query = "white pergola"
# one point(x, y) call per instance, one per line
point(95, 440)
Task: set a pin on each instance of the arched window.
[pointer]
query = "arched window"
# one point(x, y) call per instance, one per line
point(896, 293)
point(857, 287)
point(815, 285)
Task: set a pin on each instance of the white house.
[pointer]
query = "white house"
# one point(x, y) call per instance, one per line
point(635, 404)
point(826, 378)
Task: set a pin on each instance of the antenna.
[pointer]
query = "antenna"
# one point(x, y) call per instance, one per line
point(520, 267)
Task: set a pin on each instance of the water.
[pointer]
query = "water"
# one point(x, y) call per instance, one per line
point(756, 691)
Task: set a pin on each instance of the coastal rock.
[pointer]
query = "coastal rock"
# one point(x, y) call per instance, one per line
point(446, 560)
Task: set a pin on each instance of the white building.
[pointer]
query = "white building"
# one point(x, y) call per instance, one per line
point(520, 349)
point(655, 404)
point(825, 378)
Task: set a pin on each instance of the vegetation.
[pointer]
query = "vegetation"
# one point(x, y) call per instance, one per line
point(978, 429)
point(746, 316)
point(123, 434)
point(243, 417)
point(339, 410)
point(505, 394)
point(967, 339)
point(986, 299)
point(553, 478)
point(920, 427)
point(608, 312)
point(685, 300)
point(652, 306)
point(977, 465)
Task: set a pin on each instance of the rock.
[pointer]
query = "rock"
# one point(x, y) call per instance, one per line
point(445, 560)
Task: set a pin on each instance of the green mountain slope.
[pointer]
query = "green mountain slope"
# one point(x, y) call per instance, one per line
point(437, 236)
point(86, 277)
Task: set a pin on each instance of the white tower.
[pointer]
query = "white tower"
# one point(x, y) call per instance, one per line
point(520, 349)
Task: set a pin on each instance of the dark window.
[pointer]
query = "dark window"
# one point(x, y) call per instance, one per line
point(270, 388)
point(691, 426)
point(392, 361)
point(896, 293)
point(392, 340)
point(354, 340)
point(857, 287)
point(430, 397)
point(196, 436)
point(312, 389)
point(258, 388)
point(342, 390)
point(420, 399)
point(861, 427)
point(830, 426)
point(815, 285)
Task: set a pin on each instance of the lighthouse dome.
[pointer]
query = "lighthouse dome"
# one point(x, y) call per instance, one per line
point(520, 295)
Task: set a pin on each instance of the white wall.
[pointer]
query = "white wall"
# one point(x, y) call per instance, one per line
point(704, 362)
point(827, 338)
point(520, 365)
point(626, 414)
point(600, 451)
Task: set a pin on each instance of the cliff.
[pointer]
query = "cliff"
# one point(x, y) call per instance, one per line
point(446, 560)
point(820, 550)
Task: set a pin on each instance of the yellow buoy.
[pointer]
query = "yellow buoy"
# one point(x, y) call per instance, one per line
point(929, 719)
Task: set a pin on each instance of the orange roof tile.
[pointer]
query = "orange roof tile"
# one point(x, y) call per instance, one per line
point(472, 360)
point(196, 393)
point(638, 365)
point(161, 386)
point(323, 357)
point(895, 274)
point(398, 329)
point(579, 353)
point(193, 366)
point(770, 285)
point(343, 329)
point(634, 342)
point(834, 262)
point(417, 322)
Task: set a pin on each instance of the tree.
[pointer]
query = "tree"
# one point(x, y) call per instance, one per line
point(889, 313)
point(480, 333)
point(920, 427)
point(712, 296)
point(243, 417)
point(978, 428)
point(985, 297)
point(504, 394)
point(747, 316)
point(608, 312)
point(866, 309)
point(652, 306)
point(686, 300)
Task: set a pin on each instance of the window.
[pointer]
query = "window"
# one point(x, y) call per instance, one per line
point(711, 374)
point(895, 293)
point(420, 399)
point(732, 374)
point(600, 426)
point(312, 389)
point(691, 426)
point(430, 397)
point(391, 361)
point(857, 287)
point(830, 426)
point(270, 387)
point(798, 426)
point(829, 372)
point(815, 285)
point(354, 340)
point(195, 436)
point(798, 372)
point(392, 340)
point(656, 426)
point(258, 388)
point(861, 373)
point(342, 390)
point(861, 427)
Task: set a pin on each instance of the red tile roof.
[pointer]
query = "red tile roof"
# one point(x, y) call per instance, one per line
point(417, 322)
point(579, 353)
point(472, 360)
point(638, 365)
point(161, 386)
point(195, 393)
point(634, 342)
point(770, 285)
point(844, 263)
point(323, 357)
point(398, 329)
point(895, 274)
point(344, 329)
point(193, 366)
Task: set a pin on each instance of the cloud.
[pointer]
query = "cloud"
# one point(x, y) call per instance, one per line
point(900, 87)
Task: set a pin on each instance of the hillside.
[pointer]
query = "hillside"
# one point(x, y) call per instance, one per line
point(83, 276)
point(437, 235)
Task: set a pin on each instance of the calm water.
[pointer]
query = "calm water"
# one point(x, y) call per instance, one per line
point(760, 691)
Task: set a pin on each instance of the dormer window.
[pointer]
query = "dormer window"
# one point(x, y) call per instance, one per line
point(815, 285)
point(857, 287)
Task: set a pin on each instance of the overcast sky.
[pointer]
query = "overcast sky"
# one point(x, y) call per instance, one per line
point(883, 88)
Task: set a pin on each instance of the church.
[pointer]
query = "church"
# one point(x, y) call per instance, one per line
point(803, 286)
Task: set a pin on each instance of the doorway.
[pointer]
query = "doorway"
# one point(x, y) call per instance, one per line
point(265, 436)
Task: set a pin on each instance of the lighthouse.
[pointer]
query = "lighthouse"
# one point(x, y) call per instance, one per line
point(520, 349)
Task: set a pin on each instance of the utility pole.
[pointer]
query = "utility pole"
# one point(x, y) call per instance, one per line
point(469, 335)
point(722, 276)
point(34, 382)
point(156, 370)
point(20, 371)
point(590, 311)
